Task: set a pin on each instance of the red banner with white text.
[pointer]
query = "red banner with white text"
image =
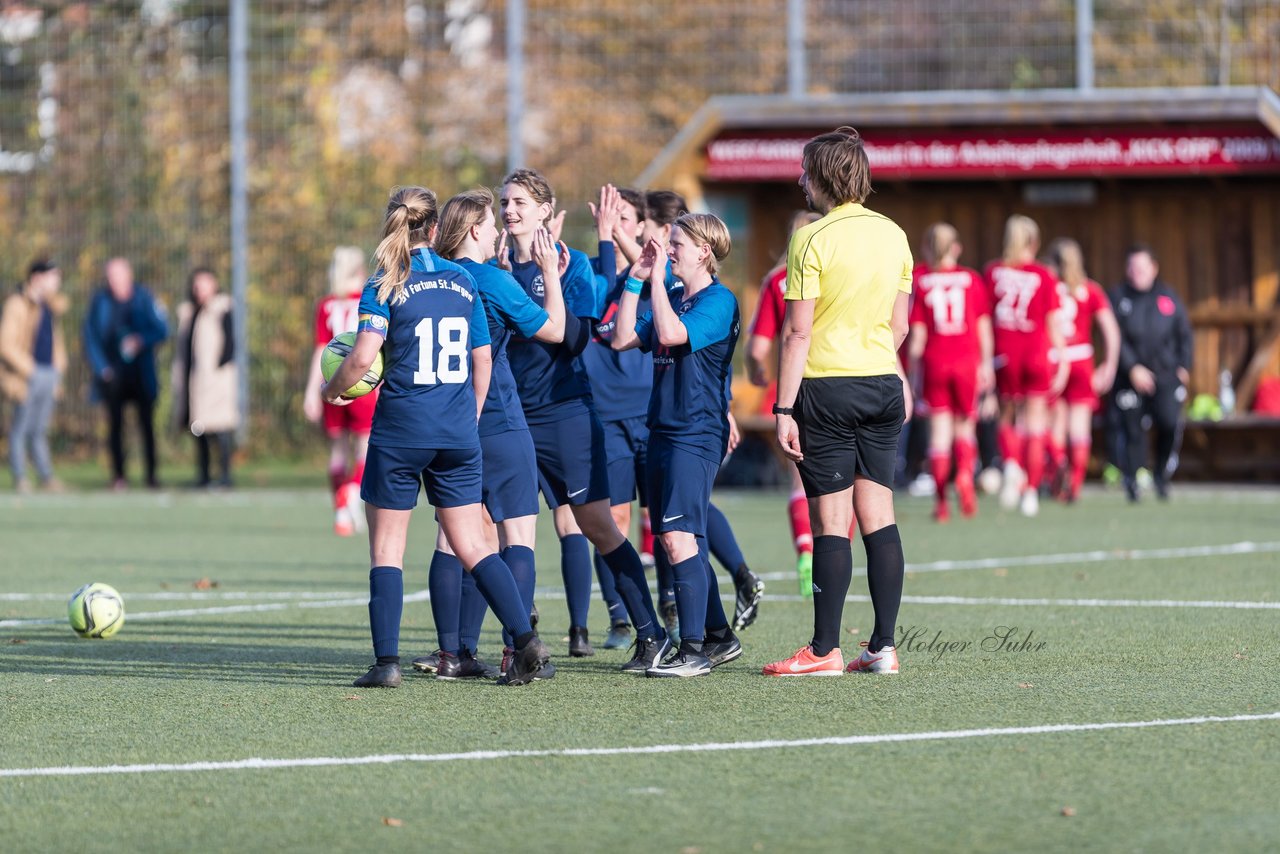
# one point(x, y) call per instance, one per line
point(919, 155)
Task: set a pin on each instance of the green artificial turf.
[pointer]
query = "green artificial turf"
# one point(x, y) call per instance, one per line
point(233, 683)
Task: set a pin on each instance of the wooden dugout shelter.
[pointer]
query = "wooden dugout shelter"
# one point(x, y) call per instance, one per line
point(1193, 172)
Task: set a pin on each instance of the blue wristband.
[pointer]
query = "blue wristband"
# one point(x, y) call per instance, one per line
point(634, 285)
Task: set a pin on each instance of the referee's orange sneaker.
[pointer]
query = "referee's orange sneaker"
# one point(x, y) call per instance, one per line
point(805, 663)
point(885, 661)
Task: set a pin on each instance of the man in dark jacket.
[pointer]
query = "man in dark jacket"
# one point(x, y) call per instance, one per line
point(121, 330)
point(1154, 370)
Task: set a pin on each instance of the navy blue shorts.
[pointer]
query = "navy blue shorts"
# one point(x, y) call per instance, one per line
point(679, 483)
point(510, 486)
point(392, 477)
point(625, 444)
point(572, 466)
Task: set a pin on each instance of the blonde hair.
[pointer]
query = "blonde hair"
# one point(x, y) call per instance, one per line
point(837, 165)
point(347, 264)
point(799, 219)
point(411, 214)
point(458, 216)
point(1067, 257)
point(1021, 238)
point(535, 185)
point(710, 230)
point(938, 240)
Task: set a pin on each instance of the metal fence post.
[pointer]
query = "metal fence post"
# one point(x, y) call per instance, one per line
point(239, 110)
point(797, 60)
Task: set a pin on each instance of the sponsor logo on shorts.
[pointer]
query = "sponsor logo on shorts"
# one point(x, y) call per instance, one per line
point(579, 492)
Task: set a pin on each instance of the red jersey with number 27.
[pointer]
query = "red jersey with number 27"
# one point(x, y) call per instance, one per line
point(335, 315)
point(1022, 296)
point(949, 303)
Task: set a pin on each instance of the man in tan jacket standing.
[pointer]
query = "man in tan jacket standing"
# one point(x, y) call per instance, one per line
point(33, 356)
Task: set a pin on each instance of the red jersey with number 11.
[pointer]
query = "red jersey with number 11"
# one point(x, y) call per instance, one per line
point(949, 303)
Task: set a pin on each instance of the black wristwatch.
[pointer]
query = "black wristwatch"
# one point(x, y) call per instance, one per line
point(783, 410)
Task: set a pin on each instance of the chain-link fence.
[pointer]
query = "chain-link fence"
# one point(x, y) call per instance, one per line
point(114, 118)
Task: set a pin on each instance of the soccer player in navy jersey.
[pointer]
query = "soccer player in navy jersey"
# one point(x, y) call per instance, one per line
point(620, 381)
point(426, 316)
point(567, 435)
point(663, 208)
point(468, 235)
point(692, 333)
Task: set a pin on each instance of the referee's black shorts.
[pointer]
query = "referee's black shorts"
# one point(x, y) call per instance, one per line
point(849, 426)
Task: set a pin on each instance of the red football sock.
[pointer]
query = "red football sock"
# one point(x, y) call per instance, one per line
point(1010, 442)
point(966, 458)
point(1057, 454)
point(798, 513)
point(357, 475)
point(1079, 463)
point(940, 465)
point(646, 534)
point(1034, 460)
point(337, 480)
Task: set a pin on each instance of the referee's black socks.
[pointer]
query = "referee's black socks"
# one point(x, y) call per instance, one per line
point(832, 570)
point(885, 566)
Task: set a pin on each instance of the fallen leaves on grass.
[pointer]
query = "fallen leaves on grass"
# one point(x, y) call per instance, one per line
point(1026, 685)
point(1239, 656)
point(352, 697)
point(853, 630)
point(392, 822)
point(691, 849)
point(16, 641)
point(1000, 572)
point(204, 584)
point(1068, 811)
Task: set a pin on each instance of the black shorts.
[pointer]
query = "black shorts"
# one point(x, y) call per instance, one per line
point(849, 427)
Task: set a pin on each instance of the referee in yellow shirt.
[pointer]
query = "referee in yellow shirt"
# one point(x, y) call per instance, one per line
point(841, 398)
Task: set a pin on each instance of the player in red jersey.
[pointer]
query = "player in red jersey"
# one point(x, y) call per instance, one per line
point(766, 326)
point(951, 341)
point(346, 426)
point(1082, 302)
point(1024, 295)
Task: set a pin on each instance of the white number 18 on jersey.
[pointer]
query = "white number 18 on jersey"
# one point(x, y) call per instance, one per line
point(453, 345)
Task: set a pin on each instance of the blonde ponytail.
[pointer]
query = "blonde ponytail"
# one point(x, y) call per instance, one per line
point(411, 214)
point(938, 240)
point(458, 216)
point(1021, 239)
point(1069, 260)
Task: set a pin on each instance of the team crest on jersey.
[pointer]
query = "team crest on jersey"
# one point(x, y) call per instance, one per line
point(538, 287)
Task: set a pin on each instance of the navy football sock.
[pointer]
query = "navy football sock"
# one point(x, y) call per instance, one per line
point(723, 544)
point(885, 566)
point(609, 591)
point(444, 581)
point(691, 598)
point(832, 570)
point(628, 574)
point(471, 614)
point(575, 566)
point(386, 601)
point(666, 579)
point(715, 618)
point(523, 569)
point(498, 587)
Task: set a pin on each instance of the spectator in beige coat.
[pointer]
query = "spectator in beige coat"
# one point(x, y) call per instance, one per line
point(206, 376)
point(33, 357)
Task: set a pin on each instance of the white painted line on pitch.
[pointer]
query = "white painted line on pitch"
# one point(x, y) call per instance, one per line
point(710, 747)
point(227, 609)
point(193, 595)
point(1098, 556)
point(1053, 603)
